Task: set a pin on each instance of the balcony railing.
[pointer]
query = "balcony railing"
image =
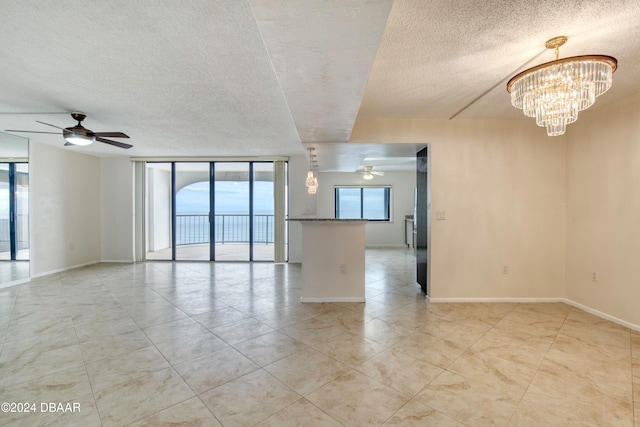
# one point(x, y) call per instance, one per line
point(192, 229)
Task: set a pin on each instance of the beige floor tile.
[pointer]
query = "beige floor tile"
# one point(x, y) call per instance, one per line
point(249, 399)
point(415, 414)
point(141, 397)
point(213, 369)
point(528, 414)
point(190, 413)
point(604, 334)
point(62, 333)
point(468, 401)
point(581, 397)
point(216, 318)
point(114, 345)
point(190, 347)
point(300, 414)
point(242, 330)
point(349, 348)
point(285, 316)
point(313, 331)
point(557, 309)
point(428, 348)
point(79, 412)
point(355, 399)
point(383, 332)
point(270, 348)
point(64, 386)
point(173, 330)
point(306, 370)
point(460, 334)
point(502, 375)
point(403, 373)
point(16, 368)
point(108, 372)
point(494, 344)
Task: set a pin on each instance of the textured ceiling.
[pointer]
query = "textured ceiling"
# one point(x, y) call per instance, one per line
point(267, 77)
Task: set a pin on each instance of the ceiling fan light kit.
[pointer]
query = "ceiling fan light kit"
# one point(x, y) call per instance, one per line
point(79, 135)
point(554, 92)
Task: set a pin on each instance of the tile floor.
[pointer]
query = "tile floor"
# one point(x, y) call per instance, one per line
point(200, 344)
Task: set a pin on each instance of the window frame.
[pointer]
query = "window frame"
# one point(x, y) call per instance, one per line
point(388, 199)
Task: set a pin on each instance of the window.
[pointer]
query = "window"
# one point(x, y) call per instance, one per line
point(372, 203)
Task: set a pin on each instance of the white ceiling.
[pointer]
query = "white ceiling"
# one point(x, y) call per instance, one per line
point(269, 77)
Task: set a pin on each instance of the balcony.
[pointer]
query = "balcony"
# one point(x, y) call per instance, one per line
point(231, 238)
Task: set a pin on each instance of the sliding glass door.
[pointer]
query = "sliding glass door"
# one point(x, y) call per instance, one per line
point(14, 211)
point(218, 211)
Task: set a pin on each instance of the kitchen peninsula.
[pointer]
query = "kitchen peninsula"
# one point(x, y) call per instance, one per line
point(332, 259)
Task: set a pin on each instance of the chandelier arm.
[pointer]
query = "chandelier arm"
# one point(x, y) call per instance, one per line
point(495, 86)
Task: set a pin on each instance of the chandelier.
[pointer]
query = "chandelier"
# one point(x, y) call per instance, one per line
point(555, 91)
point(312, 181)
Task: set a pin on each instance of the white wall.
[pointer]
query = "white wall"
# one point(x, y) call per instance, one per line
point(65, 203)
point(116, 195)
point(378, 234)
point(603, 209)
point(300, 204)
point(501, 185)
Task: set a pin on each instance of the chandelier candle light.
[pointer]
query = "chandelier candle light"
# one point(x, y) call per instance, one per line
point(555, 91)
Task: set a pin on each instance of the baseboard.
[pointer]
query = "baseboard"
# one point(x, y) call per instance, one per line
point(437, 300)
point(386, 246)
point(538, 300)
point(14, 283)
point(351, 299)
point(117, 261)
point(60, 270)
point(604, 315)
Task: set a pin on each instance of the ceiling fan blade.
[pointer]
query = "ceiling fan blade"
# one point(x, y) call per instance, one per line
point(377, 173)
point(116, 143)
point(31, 131)
point(111, 134)
point(57, 127)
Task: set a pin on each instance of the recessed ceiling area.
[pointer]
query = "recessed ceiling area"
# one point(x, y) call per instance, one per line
point(270, 77)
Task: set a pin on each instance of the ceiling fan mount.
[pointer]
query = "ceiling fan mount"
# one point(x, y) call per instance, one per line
point(79, 135)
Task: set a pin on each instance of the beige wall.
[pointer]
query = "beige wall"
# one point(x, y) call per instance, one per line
point(603, 210)
point(501, 185)
point(65, 208)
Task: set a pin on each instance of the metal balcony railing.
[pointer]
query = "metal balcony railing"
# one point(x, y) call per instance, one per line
point(192, 229)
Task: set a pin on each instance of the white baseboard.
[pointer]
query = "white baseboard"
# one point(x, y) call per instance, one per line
point(351, 299)
point(60, 270)
point(118, 261)
point(534, 300)
point(389, 246)
point(436, 300)
point(14, 283)
point(603, 315)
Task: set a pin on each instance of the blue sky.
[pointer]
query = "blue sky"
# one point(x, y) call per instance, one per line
point(231, 197)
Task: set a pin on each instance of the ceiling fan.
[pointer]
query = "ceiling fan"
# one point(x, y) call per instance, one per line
point(368, 172)
point(79, 135)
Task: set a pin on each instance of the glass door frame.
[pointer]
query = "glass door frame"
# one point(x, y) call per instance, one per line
point(212, 201)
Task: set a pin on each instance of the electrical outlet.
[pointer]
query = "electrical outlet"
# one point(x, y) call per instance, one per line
point(441, 215)
point(343, 269)
point(594, 276)
point(505, 269)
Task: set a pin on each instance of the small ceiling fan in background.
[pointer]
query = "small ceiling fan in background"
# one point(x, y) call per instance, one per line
point(368, 172)
point(79, 135)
